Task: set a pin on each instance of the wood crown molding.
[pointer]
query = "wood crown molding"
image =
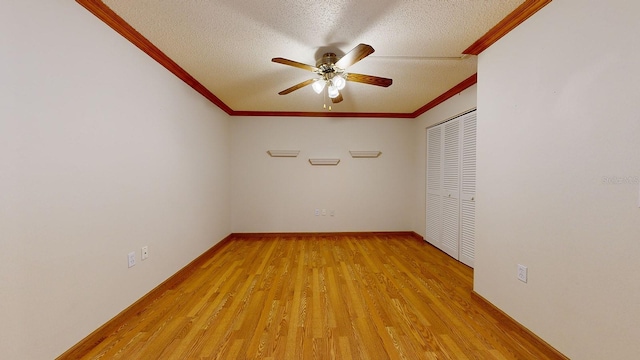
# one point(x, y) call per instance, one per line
point(113, 20)
point(109, 17)
point(329, 114)
point(466, 83)
point(510, 22)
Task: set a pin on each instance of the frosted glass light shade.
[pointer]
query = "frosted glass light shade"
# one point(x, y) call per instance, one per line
point(318, 86)
point(333, 92)
point(339, 82)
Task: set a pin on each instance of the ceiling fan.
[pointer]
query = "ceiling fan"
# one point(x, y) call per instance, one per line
point(332, 75)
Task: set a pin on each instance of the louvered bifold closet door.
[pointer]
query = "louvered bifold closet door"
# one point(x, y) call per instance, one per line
point(434, 186)
point(451, 188)
point(468, 189)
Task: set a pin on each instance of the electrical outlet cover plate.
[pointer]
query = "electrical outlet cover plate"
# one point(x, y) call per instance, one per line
point(131, 257)
point(522, 273)
point(144, 252)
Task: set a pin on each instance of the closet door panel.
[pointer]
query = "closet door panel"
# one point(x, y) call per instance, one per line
point(467, 232)
point(468, 164)
point(434, 219)
point(451, 159)
point(451, 188)
point(450, 226)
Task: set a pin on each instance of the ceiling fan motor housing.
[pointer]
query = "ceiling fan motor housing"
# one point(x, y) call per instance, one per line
point(326, 63)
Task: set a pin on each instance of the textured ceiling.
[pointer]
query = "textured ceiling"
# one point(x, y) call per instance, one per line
point(227, 46)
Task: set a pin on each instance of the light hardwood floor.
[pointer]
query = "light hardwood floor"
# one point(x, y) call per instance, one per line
point(358, 296)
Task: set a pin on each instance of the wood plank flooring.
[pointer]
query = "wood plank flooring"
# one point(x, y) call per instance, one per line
point(375, 296)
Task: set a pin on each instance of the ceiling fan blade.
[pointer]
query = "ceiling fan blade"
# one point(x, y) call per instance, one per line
point(369, 79)
point(356, 54)
point(337, 99)
point(297, 86)
point(299, 65)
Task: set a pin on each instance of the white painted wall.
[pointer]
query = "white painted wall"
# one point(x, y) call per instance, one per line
point(102, 151)
point(281, 194)
point(463, 102)
point(557, 115)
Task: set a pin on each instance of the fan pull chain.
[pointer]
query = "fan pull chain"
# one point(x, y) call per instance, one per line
point(324, 99)
point(324, 94)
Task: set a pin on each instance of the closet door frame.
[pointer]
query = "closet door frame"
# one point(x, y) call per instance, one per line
point(434, 191)
point(468, 188)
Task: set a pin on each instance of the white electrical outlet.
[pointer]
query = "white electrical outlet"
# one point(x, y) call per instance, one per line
point(144, 252)
point(131, 258)
point(522, 273)
point(317, 212)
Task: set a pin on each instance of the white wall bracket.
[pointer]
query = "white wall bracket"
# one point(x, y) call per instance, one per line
point(283, 153)
point(365, 154)
point(324, 161)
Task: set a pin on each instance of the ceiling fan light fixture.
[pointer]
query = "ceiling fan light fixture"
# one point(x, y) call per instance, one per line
point(331, 73)
point(333, 91)
point(339, 82)
point(318, 86)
